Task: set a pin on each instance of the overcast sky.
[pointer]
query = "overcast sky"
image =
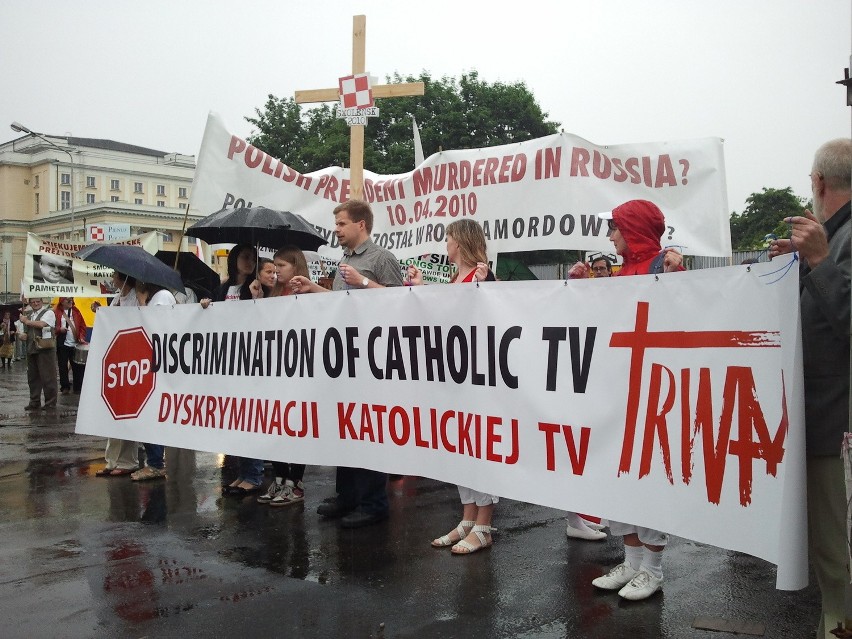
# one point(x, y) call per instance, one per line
point(760, 73)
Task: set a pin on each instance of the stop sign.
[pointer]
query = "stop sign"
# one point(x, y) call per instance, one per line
point(127, 380)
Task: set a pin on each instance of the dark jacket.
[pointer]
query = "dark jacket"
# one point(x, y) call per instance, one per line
point(825, 340)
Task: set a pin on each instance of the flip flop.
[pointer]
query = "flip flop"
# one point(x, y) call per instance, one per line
point(237, 491)
point(121, 472)
point(104, 472)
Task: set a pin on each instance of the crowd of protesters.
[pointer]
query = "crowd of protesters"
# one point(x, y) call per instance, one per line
point(54, 337)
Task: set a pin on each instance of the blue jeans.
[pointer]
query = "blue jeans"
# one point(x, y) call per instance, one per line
point(154, 455)
point(251, 470)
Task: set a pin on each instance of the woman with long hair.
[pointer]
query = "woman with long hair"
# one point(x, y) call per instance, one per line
point(466, 249)
point(290, 261)
point(287, 487)
point(242, 262)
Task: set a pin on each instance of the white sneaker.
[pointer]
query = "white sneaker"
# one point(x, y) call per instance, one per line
point(290, 494)
point(642, 586)
point(615, 578)
point(274, 489)
point(589, 533)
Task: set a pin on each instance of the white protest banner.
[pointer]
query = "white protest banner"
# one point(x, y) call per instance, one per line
point(51, 270)
point(540, 194)
point(673, 402)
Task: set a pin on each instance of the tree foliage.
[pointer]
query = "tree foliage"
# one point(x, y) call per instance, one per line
point(764, 214)
point(467, 113)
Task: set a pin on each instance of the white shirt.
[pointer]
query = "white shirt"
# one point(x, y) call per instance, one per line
point(233, 293)
point(70, 338)
point(125, 300)
point(162, 298)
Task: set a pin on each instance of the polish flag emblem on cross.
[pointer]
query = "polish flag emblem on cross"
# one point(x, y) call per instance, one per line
point(355, 91)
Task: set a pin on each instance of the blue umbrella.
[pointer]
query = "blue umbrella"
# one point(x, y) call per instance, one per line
point(133, 261)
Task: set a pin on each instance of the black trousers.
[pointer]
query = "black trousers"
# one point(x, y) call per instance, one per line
point(64, 357)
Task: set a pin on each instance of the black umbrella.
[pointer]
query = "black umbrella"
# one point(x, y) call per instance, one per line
point(133, 261)
point(509, 269)
point(257, 226)
point(195, 273)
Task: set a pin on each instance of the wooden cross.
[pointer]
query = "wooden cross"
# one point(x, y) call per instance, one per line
point(356, 131)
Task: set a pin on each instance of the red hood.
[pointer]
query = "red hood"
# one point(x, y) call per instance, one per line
point(641, 224)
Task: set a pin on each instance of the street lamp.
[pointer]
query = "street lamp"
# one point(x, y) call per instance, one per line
point(20, 128)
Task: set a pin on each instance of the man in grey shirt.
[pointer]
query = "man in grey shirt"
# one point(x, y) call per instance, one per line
point(822, 239)
point(362, 497)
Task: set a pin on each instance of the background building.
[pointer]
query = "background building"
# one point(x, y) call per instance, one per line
point(55, 186)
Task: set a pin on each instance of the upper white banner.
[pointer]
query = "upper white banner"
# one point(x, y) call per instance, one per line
point(637, 399)
point(540, 194)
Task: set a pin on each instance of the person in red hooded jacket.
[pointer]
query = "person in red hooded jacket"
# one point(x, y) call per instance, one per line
point(635, 230)
point(70, 331)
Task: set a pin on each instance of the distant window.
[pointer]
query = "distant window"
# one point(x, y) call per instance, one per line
point(182, 191)
point(36, 204)
point(65, 179)
point(113, 185)
point(36, 181)
point(161, 203)
point(137, 187)
point(138, 200)
point(90, 198)
point(64, 200)
point(167, 237)
point(113, 198)
point(90, 181)
point(182, 205)
point(161, 189)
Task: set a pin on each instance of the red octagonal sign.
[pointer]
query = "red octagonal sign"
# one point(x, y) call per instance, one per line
point(128, 381)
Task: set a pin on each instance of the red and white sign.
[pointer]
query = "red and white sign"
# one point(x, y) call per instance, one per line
point(107, 232)
point(355, 91)
point(127, 379)
point(638, 399)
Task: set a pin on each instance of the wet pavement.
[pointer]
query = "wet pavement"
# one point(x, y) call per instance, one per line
point(85, 556)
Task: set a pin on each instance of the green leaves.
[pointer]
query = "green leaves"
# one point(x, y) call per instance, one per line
point(764, 214)
point(464, 114)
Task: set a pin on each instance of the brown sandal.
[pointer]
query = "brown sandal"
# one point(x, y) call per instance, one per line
point(121, 472)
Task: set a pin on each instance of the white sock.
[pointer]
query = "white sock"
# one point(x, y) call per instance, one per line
point(652, 562)
point(575, 521)
point(633, 556)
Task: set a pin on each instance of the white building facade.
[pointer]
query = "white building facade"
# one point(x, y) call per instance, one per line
point(56, 189)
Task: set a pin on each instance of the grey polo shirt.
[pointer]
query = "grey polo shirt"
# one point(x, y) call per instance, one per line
point(374, 263)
